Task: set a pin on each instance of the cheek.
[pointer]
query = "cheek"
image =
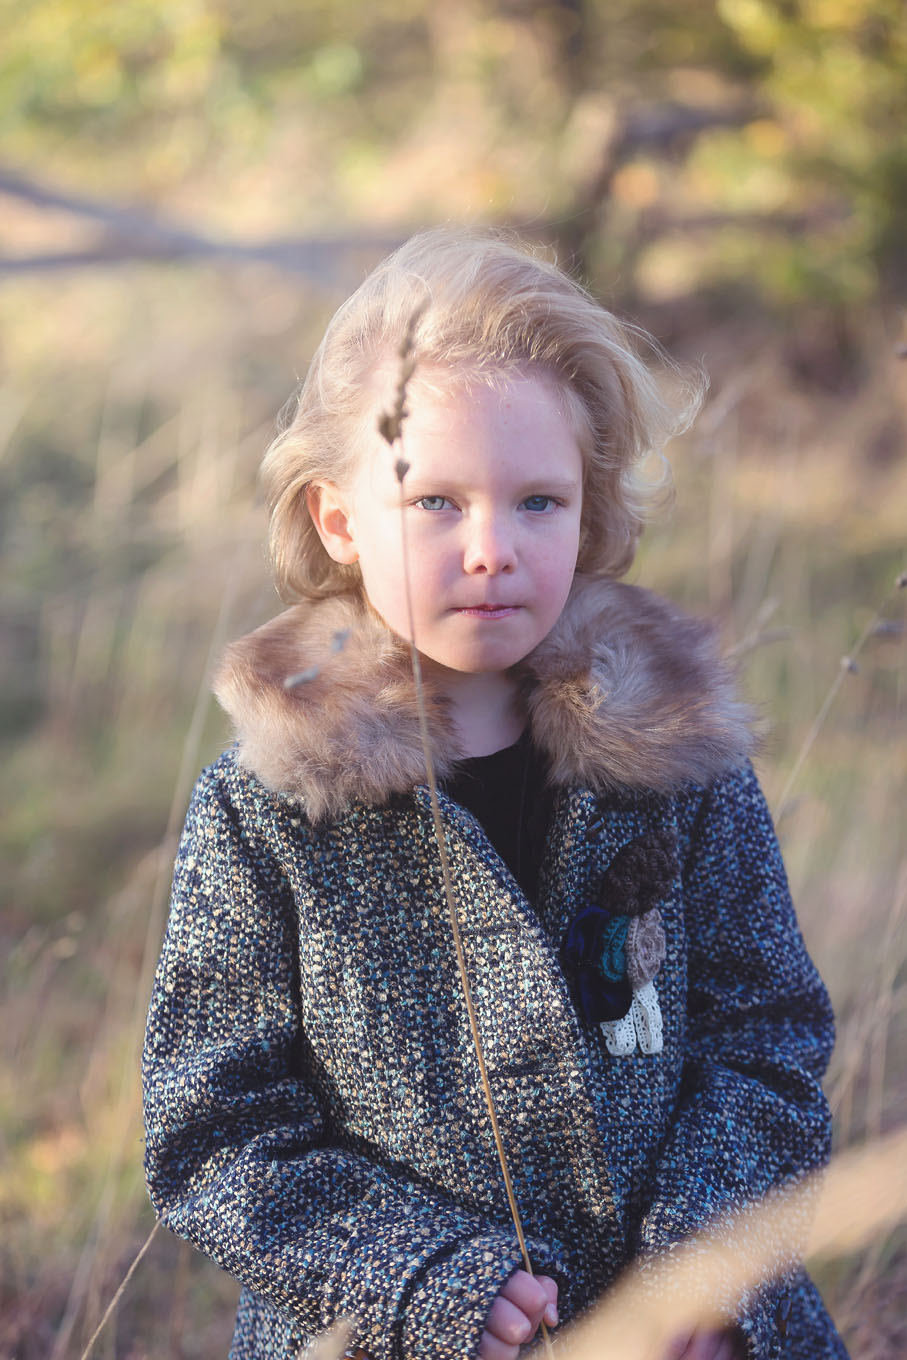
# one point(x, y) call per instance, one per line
point(558, 562)
point(554, 577)
point(383, 584)
point(384, 580)
point(556, 589)
point(378, 544)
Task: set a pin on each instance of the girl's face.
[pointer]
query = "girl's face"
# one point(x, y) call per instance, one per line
point(493, 499)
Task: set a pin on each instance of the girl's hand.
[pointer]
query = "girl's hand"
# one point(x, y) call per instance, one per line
point(705, 1346)
point(516, 1313)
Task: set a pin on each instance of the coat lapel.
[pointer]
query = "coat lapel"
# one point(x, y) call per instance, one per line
point(531, 1035)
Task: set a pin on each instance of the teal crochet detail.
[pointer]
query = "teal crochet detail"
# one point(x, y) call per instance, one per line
point(613, 961)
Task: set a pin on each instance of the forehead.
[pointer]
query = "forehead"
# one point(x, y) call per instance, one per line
point(439, 400)
point(513, 412)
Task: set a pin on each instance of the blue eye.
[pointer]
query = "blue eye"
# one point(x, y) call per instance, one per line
point(432, 502)
point(538, 504)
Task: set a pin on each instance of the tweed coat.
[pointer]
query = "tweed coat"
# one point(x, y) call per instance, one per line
point(314, 1120)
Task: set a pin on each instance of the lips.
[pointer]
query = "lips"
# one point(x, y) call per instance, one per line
point(488, 611)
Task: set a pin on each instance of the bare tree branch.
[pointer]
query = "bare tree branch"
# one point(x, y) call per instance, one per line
point(659, 130)
point(320, 261)
point(654, 224)
point(132, 221)
point(132, 234)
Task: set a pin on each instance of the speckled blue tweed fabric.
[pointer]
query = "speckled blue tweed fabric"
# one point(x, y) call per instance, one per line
point(313, 1112)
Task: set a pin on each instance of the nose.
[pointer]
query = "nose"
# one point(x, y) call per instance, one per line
point(490, 546)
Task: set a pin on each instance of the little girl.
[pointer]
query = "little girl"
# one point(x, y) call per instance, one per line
point(653, 1030)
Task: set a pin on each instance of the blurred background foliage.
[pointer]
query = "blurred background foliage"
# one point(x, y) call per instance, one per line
point(646, 124)
point(187, 191)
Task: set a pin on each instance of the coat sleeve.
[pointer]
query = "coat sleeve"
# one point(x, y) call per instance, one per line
point(752, 1115)
point(239, 1158)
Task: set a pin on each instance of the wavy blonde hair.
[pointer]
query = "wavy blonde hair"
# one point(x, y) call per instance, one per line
point(486, 307)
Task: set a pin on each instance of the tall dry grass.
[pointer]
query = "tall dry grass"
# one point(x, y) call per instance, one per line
point(132, 417)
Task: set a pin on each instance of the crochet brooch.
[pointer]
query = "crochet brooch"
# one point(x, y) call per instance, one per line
point(612, 950)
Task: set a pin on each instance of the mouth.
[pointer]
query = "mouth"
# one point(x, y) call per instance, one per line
point(489, 611)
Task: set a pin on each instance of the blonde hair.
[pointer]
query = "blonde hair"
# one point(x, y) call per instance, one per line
point(489, 308)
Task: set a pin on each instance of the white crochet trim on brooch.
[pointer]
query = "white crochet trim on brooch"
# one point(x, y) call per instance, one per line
point(620, 1035)
point(647, 1020)
point(642, 1024)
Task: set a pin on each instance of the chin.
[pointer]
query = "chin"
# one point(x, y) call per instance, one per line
point(476, 656)
point(477, 663)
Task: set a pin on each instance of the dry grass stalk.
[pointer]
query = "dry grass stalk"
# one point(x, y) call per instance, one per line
point(390, 426)
point(111, 1307)
point(848, 666)
point(861, 1195)
point(151, 946)
point(331, 1345)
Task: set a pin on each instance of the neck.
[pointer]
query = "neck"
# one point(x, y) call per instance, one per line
point(484, 708)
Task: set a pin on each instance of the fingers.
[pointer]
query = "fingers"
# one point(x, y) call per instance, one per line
point(493, 1349)
point(713, 1346)
point(550, 1287)
point(516, 1313)
point(678, 1348)
point(534, 1295)
point(703, 1346)
point(728, 1349)
point(508, 1323)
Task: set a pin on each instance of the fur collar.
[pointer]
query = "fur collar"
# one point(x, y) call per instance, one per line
point(625, 692)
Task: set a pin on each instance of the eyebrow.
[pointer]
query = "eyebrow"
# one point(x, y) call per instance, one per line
point(559, 488)
point(538, 486)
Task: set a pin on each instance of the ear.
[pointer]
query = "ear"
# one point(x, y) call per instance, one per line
point(331, 516)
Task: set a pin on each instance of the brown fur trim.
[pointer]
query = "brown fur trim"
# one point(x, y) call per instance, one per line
point(628, 692)
point(625, 692)
point(349, 733)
